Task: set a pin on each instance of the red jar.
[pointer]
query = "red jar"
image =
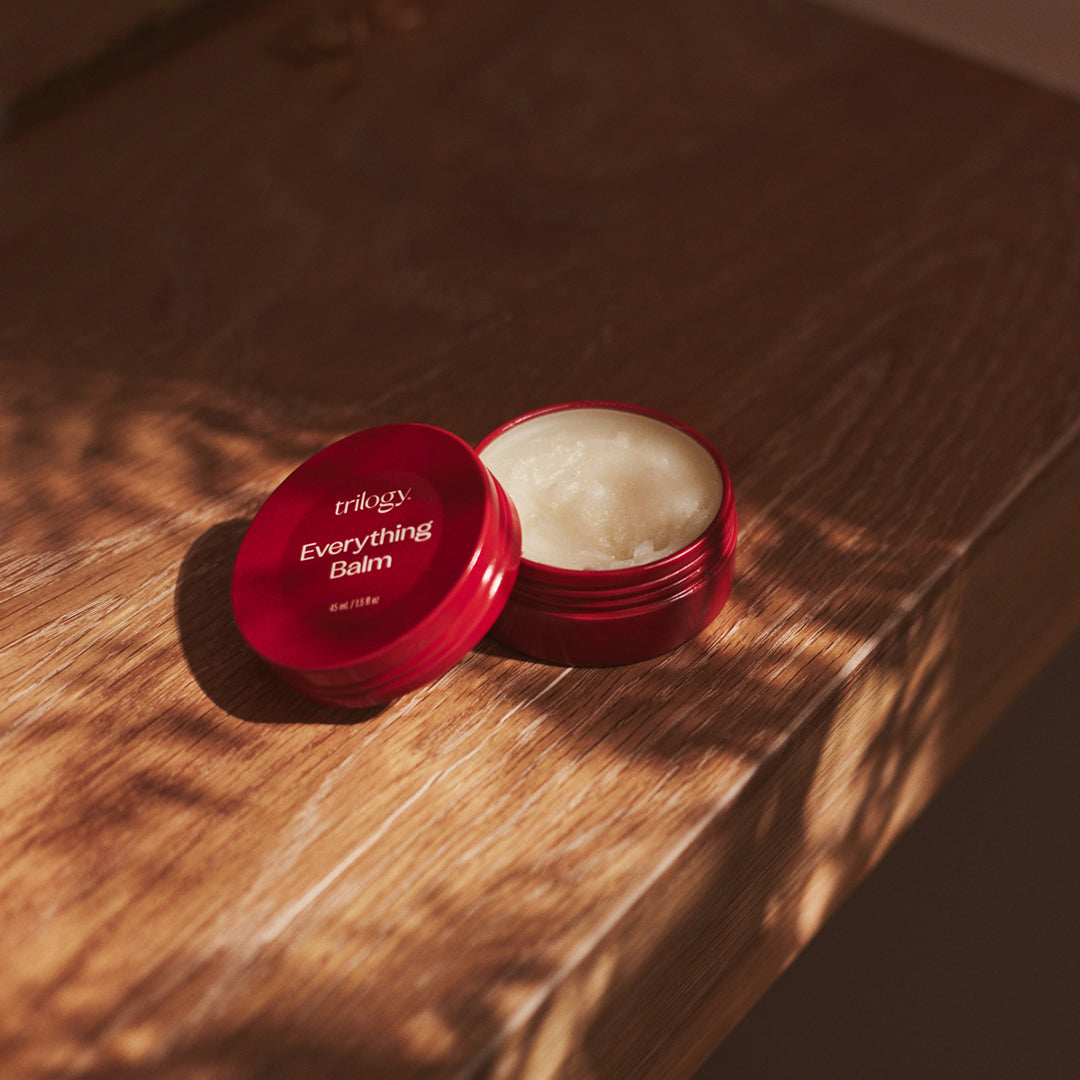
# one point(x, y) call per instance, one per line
point(381, 561)
point(599, 617)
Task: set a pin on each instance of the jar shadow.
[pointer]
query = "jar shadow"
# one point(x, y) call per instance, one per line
point(222, 663)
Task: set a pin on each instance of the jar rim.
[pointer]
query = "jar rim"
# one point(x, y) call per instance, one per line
point(714, 543)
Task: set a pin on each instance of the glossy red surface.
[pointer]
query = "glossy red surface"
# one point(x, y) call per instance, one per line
point(376, 565)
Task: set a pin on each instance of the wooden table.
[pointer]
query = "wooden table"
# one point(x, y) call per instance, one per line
point(853, 262)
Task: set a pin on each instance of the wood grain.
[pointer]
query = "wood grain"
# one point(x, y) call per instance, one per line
point(852, 262)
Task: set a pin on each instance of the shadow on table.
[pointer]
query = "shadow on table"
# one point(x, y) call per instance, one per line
point(832, 785)
point(224, 666)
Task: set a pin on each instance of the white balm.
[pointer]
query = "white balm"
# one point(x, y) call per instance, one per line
point(603, 489)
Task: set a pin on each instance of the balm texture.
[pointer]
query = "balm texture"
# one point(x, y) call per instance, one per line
point(604, 489)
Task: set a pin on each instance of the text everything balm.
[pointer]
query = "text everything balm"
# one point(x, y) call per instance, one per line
point(604, 488)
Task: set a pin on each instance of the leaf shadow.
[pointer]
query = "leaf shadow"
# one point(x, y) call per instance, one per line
point(223, 664)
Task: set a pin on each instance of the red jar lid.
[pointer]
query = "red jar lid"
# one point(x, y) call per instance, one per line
point(376, 565)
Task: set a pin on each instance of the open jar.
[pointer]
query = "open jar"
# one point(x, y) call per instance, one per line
point(628, 532)
point(382, 560)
